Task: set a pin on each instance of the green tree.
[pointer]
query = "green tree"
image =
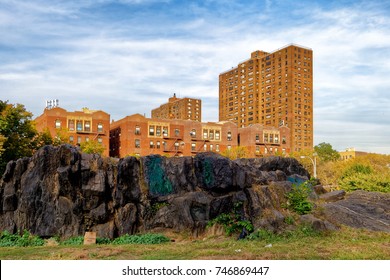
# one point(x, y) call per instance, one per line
point(2, 140)
point(18, 131)
point(326, 152)
point(92, 147)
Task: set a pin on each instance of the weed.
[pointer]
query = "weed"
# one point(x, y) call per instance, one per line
point(233, 222)
point(297, 198)
point(26, 239)
point(149, 238)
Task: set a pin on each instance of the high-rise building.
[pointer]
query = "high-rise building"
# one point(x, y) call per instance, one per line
point(273, 89)
point(179, 109)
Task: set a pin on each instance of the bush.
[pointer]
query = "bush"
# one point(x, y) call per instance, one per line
point(26, 240)
point(297, 198)
point(233, 222)
point(149, 238)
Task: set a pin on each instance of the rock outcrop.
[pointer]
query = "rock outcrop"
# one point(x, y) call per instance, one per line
point(361, 209)
point(60, 191)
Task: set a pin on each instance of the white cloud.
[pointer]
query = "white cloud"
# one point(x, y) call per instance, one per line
point(116, 66)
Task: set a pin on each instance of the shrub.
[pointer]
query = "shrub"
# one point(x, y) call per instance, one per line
point(9, 240)
point(148, 238)
point(233, 222)
point(297, 198)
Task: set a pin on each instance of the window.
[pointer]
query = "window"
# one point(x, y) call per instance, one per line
point(176, 146)
point(205, 134)
point(165, 131)
point(284, 140)
point(217, 147)
point(217, 135)
point(137, 143)
point(137, 130)
point(151, 144)
point(211, 147)
point(229, 147)
point(265, 137)
point(71, 125)
point(151, 130)
point(193, 133)
point(100, 127)
point(205, 147)
point(277, 138)
point(79, 125)
point(193, 146)
point(71, 139)
point(100, 140)
point(257, 137)
point(177, 132)
point(86, 139)
point(211, 134)
point(158, 130)
point(58, 124)
point(257, 149)
point(158, 145)
point(229, 136)
point(87, 126)
point(78, 139)
point(271, 138)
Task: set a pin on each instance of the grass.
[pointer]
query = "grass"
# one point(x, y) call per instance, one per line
point(299, 245)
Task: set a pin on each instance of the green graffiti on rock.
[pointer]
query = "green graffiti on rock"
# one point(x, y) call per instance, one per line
point(158, 182)
point(208, 175)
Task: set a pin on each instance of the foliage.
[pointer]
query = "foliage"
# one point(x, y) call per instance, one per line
point(44, 138)
point(297, 198)
point(233, 222)
point(369, 172)
point(236, 152)
point(76, 240)
point(326, 152)
point(301, 231)
point(2, 140)
point(16, 240)
point(148, 238)
point(92, 147)
point(18, 131)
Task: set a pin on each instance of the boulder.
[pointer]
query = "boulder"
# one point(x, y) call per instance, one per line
point(361, 209)
point(332, 196)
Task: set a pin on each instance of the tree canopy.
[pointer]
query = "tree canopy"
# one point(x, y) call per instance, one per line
point(326, 152)
point(18, 136)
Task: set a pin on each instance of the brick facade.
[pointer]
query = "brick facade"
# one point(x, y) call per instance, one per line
point(273, 89)
point(78, 126)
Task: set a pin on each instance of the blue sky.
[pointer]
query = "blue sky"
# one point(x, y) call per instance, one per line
point(129, 56)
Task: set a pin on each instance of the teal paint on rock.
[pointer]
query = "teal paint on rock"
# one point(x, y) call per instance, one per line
point(158, 182)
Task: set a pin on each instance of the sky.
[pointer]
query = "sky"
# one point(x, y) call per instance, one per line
point(129, 56)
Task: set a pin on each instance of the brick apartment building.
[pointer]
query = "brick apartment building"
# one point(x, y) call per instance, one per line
point(138, 135)
point(78, 126)
point(262, 140)
point(273, 89)
point(179, 109)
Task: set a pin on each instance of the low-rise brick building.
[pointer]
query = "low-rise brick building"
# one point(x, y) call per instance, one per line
point(138, 135)
point(78, 126)
point(262, 140)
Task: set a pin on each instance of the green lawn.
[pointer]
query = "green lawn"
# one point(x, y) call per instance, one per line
point(346, 243)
